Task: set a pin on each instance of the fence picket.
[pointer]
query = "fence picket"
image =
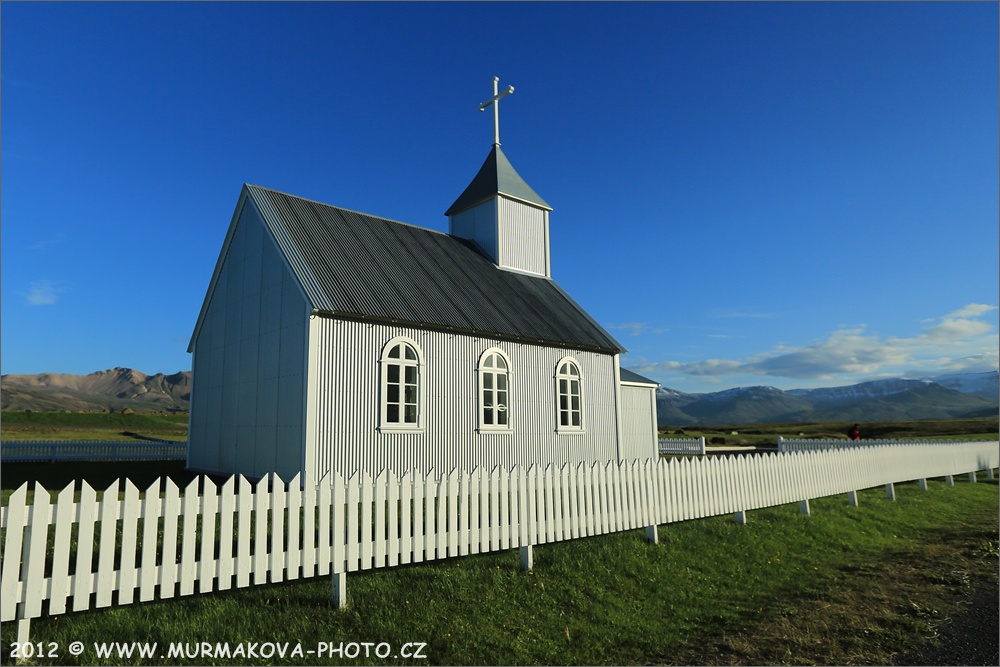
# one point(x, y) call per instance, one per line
point(206, 564)
point(105, 583)
point(453, 515)
point(293, 543)
point(406, 512)
point(380, 540)
point(393, 500)
point(16, 519)
point(130, 519)
point(188, 564)
point(227, 508)
point(418, 517)
point(244, 559)
point(34, 553)
point(261, 509)
point(277, 541)
point(168, 563)
point(64, 519)
point(353, 498)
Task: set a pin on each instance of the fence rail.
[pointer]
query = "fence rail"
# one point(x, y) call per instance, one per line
point(161, 543)
point(91, 450)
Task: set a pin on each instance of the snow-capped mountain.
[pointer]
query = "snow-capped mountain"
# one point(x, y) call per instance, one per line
point(943, 397)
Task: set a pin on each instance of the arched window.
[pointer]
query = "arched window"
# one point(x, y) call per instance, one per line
point(569, 396)
point(494, 391)
point(402, 390)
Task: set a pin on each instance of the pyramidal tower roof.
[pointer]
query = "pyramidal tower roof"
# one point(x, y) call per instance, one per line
point(496, 176)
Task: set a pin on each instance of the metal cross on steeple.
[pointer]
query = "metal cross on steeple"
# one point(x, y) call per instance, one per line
point(496, 108)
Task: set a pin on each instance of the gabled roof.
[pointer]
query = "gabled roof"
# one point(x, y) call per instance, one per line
point(364, 267)
point(496, 176)
point(630, 376)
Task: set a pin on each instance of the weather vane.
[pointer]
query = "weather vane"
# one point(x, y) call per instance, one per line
point(495, 101)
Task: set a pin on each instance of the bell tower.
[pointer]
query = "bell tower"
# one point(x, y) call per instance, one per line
point(500, 213)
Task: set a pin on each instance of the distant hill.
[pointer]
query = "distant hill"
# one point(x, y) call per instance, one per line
point(944, 397)
point(103, 391)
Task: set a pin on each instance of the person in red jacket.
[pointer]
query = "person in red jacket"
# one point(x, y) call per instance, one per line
point(854, 433)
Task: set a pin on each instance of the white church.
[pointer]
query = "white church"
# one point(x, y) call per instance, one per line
point(331, 340)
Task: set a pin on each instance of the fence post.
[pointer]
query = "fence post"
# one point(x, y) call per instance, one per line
point(890, 491)
point(527, 558)
point(923, 484)
point(701, 445)
point(741, 517)
point(652, 535)
point(803, 505)
point(781, 444)
point(339, 590)
point(972, 476)
point(989, 473)
point(852, 498)
point(949, 480)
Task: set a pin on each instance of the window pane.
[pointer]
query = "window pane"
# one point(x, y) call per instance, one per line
point(502, 418)
point(411, 374)
point(563, 418)
point(572, 370)
point(502, 382)
point(394, 352)
point(500, 362)
point(392, 373)
point(488, 416)
point(411, 414)
point(411, 395)
point(410, 354)
point(576, 404)
point(487, 380)
point(392, 393)
point(488, 363)
point(392, 414)
point(576, 419)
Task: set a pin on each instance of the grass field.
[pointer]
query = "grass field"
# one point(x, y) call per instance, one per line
point(845, 585)
point(17, 425)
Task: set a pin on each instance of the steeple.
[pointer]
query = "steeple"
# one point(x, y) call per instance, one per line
point(501, 213)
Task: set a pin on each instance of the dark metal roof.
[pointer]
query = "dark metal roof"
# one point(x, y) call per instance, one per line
point(629, 376)
point(496, 176)
point(360, 266)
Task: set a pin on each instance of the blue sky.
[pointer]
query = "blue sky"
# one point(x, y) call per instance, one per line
point(789, 194)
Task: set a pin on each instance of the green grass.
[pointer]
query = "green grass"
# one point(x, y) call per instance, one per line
point(19, 425)
point(846, 585)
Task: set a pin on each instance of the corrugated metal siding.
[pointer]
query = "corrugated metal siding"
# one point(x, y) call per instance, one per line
point(346, 410)
point(365, 267)
point(638, 423)
point(523, 237)
point(249, 362)
point(479, 225)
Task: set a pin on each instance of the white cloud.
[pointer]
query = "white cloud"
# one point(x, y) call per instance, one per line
point(42, 293)
point(853, 352)
point(636, 328)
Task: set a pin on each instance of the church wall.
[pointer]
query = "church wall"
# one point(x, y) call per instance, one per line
point(524, 239)
point(639, 432)
point(344, 404)
point(248, 384)
point(479, 225)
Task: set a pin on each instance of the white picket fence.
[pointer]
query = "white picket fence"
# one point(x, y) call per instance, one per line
point(681, 446)
point(160, 543)
point(808, 445)
point(91, 450)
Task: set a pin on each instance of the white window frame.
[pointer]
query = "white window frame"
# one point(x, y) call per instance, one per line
point(482, 373)
point(560, 377)
point(385, 364)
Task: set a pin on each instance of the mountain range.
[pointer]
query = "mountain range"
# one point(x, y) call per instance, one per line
point(943, 397)
point(956, 396)
point(112, 390)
